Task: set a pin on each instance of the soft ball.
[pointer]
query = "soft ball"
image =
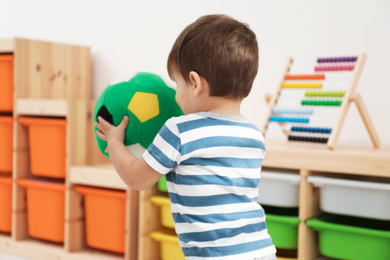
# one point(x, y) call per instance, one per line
point(148, 102)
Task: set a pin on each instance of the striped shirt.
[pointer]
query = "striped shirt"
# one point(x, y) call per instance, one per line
point(212, 164)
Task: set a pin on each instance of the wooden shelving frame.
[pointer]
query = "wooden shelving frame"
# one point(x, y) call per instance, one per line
point(54, 80)
point(311, 159)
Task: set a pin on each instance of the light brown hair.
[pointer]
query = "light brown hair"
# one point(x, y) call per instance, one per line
point(222, 50)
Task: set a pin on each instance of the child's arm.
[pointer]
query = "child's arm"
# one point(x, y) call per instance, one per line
point(136, 173)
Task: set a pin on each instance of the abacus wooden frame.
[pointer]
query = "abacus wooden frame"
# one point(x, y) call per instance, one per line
point(349, 96)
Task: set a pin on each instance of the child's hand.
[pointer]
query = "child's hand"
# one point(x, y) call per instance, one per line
point(111, 133)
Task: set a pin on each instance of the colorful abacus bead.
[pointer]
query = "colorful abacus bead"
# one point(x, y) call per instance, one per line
point(305, 111)
point(334, 68)
point(302, 85)
point(305, 77)
point(320, 103)
point(321, 130)
point(324, 93)
point(308, 139)
point(282, 119)
point(337, 59)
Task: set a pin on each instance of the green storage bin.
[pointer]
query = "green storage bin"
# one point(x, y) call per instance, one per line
point(162, 184)
point(283, 230)
point(352, 238)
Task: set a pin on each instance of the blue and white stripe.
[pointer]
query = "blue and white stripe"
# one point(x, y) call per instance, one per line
point(213, 165)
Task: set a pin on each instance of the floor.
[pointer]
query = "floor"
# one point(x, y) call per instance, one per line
point(4, 256)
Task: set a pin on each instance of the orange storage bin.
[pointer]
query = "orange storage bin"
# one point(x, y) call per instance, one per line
point(47, 138)
point(5, 204)
point(6, 137)
point(45, 209)
point(6, 82)
point(105, 212)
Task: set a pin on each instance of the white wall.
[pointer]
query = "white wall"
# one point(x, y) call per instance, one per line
point(130, 36)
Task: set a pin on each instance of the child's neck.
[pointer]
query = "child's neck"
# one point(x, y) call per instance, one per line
point(221, 105)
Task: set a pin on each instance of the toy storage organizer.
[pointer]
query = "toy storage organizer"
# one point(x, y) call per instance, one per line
point(44, 106)
point(354, 211)
point(295, 216)
point(343, 210)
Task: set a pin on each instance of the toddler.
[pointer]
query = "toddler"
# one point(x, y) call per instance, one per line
point(212, 155)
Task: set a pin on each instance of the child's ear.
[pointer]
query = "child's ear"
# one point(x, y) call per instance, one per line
point(196, 83)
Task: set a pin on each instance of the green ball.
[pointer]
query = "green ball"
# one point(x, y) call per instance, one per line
point(148, 102)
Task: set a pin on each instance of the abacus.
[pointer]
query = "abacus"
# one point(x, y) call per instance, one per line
point(313, 98)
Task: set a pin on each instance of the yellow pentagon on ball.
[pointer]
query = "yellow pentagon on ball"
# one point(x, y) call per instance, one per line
point(144, 106)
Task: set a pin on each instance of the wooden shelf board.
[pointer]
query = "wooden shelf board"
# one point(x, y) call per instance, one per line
point(6, 45)
point(42, 107)
point(90, 253)
point(345, 158)
point(41, 250)
point(96, 175)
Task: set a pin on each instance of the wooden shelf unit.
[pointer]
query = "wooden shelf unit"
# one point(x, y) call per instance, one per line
point(54, 80)
point(312, 159)
point(309, 159)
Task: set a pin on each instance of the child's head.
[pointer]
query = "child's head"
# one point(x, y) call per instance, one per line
point(220, 49)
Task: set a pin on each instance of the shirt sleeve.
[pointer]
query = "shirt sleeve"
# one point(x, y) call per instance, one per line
point(164, 153)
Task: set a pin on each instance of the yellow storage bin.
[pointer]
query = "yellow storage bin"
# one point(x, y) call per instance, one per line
point(166, 213)
point(169, 244)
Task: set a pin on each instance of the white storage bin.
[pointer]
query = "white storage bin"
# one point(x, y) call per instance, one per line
point(353, 197)
point(279, 188)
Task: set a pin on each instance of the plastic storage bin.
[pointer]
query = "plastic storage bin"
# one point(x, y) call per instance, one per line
point(169, 244)
point(166, 214)
point(283, 230)
point(6, 137)
point(162, 184)
point(279, 188)
point(5, 204)
point(47, 139)
point(353, 197)
point(352, 238)
point(105, 213)
point(45, 209)
point(6, 83)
